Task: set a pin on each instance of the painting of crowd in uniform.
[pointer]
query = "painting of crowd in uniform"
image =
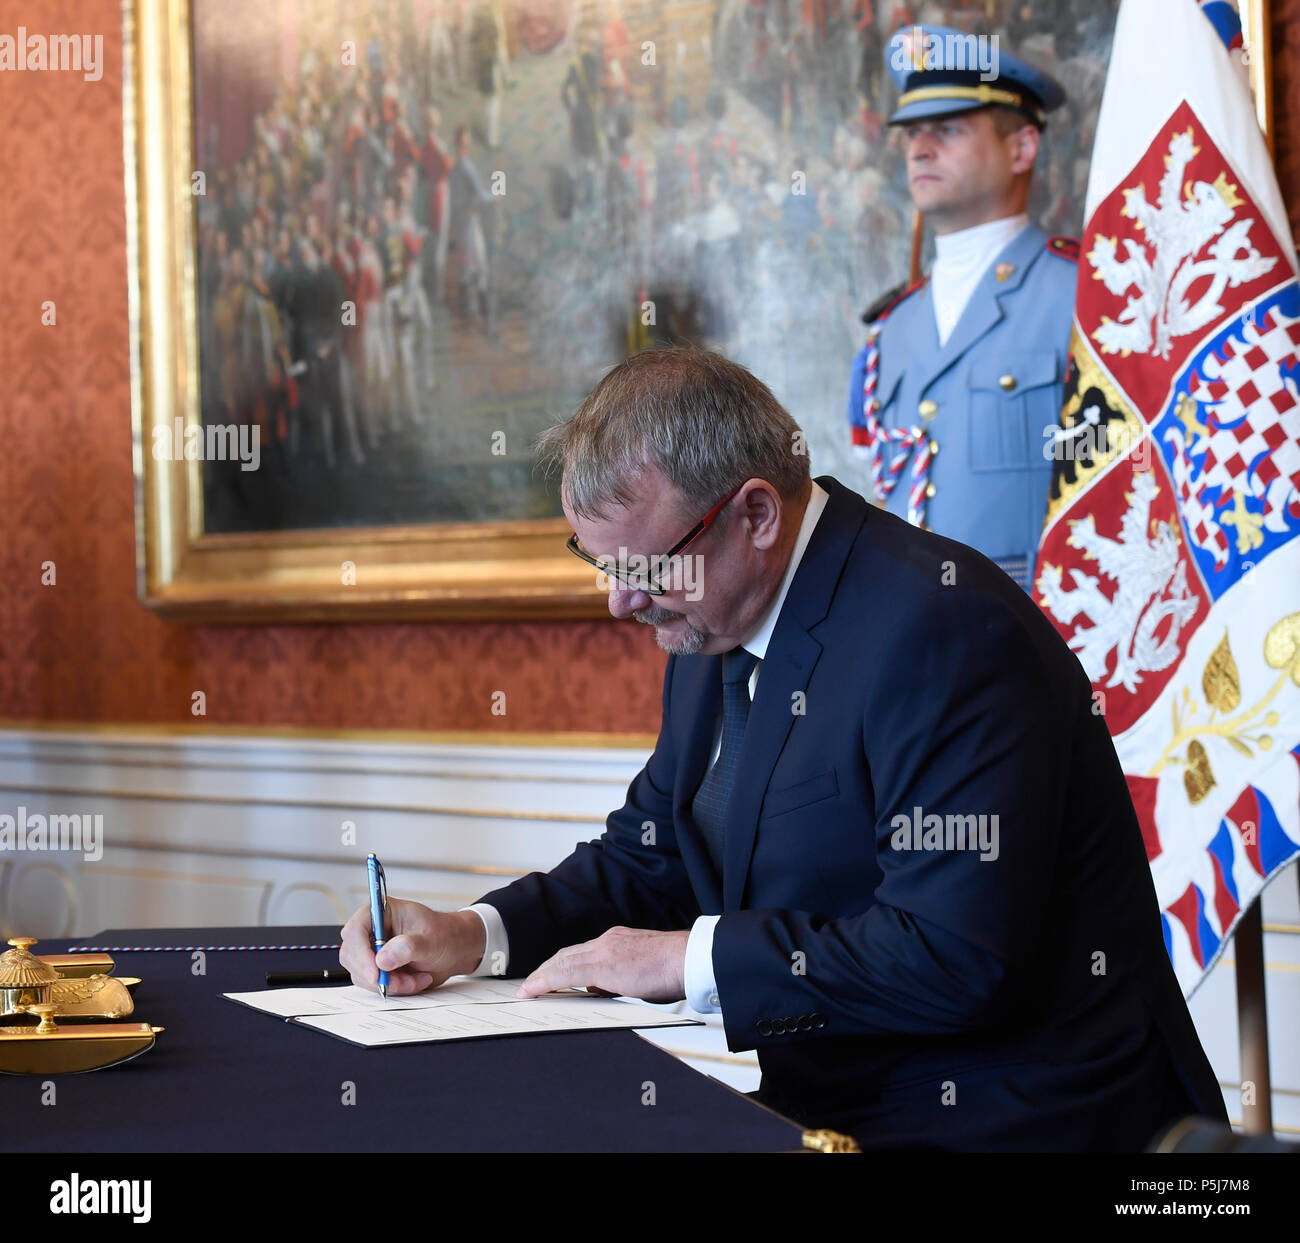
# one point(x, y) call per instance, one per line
point(429, 226)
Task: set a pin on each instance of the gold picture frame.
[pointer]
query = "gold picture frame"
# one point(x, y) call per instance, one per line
point(479, 570)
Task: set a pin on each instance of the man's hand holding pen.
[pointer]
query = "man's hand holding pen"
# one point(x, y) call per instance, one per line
point(423, 948)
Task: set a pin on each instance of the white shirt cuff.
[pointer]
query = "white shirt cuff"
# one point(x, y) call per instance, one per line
point(701, 987)
point(496, 953)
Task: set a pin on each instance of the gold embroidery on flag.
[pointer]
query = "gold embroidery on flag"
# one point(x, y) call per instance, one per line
point(1250, 526)
point(1282, 646)
point(1198, 780)
point(1220, 681)
point(1222, 686)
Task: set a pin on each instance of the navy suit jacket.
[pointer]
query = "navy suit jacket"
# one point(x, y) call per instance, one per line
point(910, 997)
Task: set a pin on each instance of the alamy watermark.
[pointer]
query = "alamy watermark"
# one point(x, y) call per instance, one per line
point(34, 831)
point(213, 442)
point(634, 571)
point(1091, 439)
point(920, 49)
point(123, 1197)
point(918, 831)
point(34, 53)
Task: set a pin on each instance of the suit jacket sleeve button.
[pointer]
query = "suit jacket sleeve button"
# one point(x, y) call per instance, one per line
point(805, 1023)
point(764, 1027)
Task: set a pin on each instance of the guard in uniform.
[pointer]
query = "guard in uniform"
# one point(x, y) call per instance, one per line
point(960, 384)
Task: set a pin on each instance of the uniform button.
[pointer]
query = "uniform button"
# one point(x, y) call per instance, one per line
point(805, 1023)
point(764, 1027)
point(929, 491)
point(1008, 382)
point(928, 409)
point(934, 447)
point(778, 1027)
point(714, 999)
point(819, 1020)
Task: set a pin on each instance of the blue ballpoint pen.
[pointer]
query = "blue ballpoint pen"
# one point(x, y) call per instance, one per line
point(378, 910)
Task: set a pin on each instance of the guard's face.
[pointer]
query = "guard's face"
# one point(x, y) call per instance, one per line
point(959, 167)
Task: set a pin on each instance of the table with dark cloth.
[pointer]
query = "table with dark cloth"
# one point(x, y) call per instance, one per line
point(225, 1078)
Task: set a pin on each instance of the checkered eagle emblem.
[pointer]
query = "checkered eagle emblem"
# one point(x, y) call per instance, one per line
point(1248, 446)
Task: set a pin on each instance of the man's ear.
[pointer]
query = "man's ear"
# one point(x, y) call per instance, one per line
point(1024, 148)
point(760, 509)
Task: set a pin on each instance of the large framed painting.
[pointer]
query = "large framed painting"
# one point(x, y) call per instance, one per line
point(377, 246)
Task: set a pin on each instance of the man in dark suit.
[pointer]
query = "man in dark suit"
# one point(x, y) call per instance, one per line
point(883, 830)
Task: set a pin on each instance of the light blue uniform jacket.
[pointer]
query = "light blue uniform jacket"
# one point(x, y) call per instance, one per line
point(996, 388)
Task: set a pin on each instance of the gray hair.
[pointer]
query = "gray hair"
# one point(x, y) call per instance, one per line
point(704, 421)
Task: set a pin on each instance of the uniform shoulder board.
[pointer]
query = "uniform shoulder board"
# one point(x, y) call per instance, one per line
point(888, 301)
point(1066, 247)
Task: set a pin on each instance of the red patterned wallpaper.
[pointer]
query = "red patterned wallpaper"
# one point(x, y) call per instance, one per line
point(82, 649)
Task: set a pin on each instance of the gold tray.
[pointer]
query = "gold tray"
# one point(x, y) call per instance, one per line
point(50, 1050)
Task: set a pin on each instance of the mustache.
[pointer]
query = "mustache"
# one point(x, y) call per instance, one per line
point(654, 615)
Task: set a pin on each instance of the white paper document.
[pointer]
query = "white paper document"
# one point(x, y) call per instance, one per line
point(292, 1003)
point(558, 1012)
point(461, 1009)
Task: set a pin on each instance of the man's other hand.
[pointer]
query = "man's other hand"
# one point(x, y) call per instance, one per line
point(624, 962)
point(423, 949)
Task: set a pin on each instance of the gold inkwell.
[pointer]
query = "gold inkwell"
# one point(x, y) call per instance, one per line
point(31, 987)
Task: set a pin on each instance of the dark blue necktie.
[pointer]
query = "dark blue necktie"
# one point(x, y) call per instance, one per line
point(714, 794)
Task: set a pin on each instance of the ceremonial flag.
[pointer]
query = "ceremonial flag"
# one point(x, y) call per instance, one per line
point(1170, 556)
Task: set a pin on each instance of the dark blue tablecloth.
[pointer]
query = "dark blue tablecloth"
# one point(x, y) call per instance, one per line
point(225, 1078)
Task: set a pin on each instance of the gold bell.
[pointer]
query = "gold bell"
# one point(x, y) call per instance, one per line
point(1008, 382)
point(929, 490)
point(934, 447)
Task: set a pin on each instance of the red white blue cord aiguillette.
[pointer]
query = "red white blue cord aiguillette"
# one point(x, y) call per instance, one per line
point(911, 442)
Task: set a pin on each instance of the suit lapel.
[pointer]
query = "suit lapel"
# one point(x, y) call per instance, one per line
point(792, 655)
point(984, 309)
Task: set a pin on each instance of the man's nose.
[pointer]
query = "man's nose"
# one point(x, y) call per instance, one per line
point(624, 601)
point(920, 146)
